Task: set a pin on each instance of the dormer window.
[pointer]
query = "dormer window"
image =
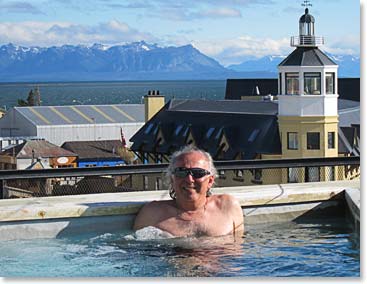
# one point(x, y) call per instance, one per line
point(184, 134)
point(178, 129)
point(253, 135)
point(210, 132)
point(217, 136)
point(149, 128)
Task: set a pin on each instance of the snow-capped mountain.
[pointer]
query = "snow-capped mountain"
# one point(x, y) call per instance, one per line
point(138, 60)
point(135, 61)
point(349, 66)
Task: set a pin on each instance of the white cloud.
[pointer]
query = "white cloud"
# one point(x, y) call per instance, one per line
point(233, 51)
point(221, 12)
point(348, 44)
point(59, 33)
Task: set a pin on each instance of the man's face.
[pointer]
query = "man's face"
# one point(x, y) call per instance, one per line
point(189, 188)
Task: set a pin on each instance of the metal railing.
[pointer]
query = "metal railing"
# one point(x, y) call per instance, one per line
point(305, 40)
point(70, 181)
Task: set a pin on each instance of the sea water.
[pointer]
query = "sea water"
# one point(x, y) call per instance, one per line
point(82, 93)
point(319, 248)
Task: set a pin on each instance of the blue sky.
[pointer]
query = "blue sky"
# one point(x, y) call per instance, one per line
point(228, 30)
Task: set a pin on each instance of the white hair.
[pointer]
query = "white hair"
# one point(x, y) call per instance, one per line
point(176, 156)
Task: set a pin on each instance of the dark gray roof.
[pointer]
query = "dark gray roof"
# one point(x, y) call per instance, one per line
point(307, 56)
point(349, 113)
point(250, 128)
point(224, 106)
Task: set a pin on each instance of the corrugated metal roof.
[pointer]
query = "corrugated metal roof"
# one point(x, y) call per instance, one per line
point(83, 114)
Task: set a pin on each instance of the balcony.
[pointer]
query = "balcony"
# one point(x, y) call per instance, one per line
point(306, 41)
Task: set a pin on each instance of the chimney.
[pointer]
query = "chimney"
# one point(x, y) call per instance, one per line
point(153, 103)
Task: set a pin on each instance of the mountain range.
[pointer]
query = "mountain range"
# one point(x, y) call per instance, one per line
point(134, 61)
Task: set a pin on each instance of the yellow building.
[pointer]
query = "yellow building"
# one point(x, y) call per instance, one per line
point(306, 120)
point(308, 100)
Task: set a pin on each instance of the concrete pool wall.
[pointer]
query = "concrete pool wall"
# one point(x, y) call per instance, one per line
point(52, 217)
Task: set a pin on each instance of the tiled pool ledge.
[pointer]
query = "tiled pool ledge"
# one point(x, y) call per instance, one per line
point(54, 216)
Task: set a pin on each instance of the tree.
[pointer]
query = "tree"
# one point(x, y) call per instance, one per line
point(22, 103)
point(33, 99)
point(37, 97)
point(30, 99)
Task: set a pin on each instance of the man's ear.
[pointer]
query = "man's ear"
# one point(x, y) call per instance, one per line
point(210, 181)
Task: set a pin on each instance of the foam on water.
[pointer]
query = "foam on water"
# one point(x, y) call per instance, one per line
point(149, 233)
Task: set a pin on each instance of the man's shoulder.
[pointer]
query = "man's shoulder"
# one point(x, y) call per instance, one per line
point(155, 204)
point(225, 200)
point(224, 197)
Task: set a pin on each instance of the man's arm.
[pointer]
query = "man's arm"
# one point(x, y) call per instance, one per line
point(238, 219)
point(234, 211)
point(148, 215)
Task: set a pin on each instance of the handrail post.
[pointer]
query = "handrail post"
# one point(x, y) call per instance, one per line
point(2, 181)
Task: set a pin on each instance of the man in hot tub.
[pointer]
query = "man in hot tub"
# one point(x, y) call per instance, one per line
point(193, 210)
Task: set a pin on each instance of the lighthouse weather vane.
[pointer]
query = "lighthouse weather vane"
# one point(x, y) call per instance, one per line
point(306, 3)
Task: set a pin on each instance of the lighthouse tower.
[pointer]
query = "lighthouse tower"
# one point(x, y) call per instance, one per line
point(308, 96)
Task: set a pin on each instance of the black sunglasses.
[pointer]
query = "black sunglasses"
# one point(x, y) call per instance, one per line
point(194, 172)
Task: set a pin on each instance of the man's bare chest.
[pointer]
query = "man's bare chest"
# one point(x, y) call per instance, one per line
point(196, 226)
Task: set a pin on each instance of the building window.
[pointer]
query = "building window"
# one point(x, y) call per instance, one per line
point(329, 82)
point(238, 175)
point(331, 140)
point(145, 182)
point(292, 142)
point(158, 184)
point(313, 140)
point(256, 176)
point(330, 173)
point(312, 83)
point(222, 174)
point(292, 83)
point(280, 83)
point(312, 174)
point(293, 175)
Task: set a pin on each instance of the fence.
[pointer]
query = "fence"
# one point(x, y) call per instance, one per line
point(71, 181)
